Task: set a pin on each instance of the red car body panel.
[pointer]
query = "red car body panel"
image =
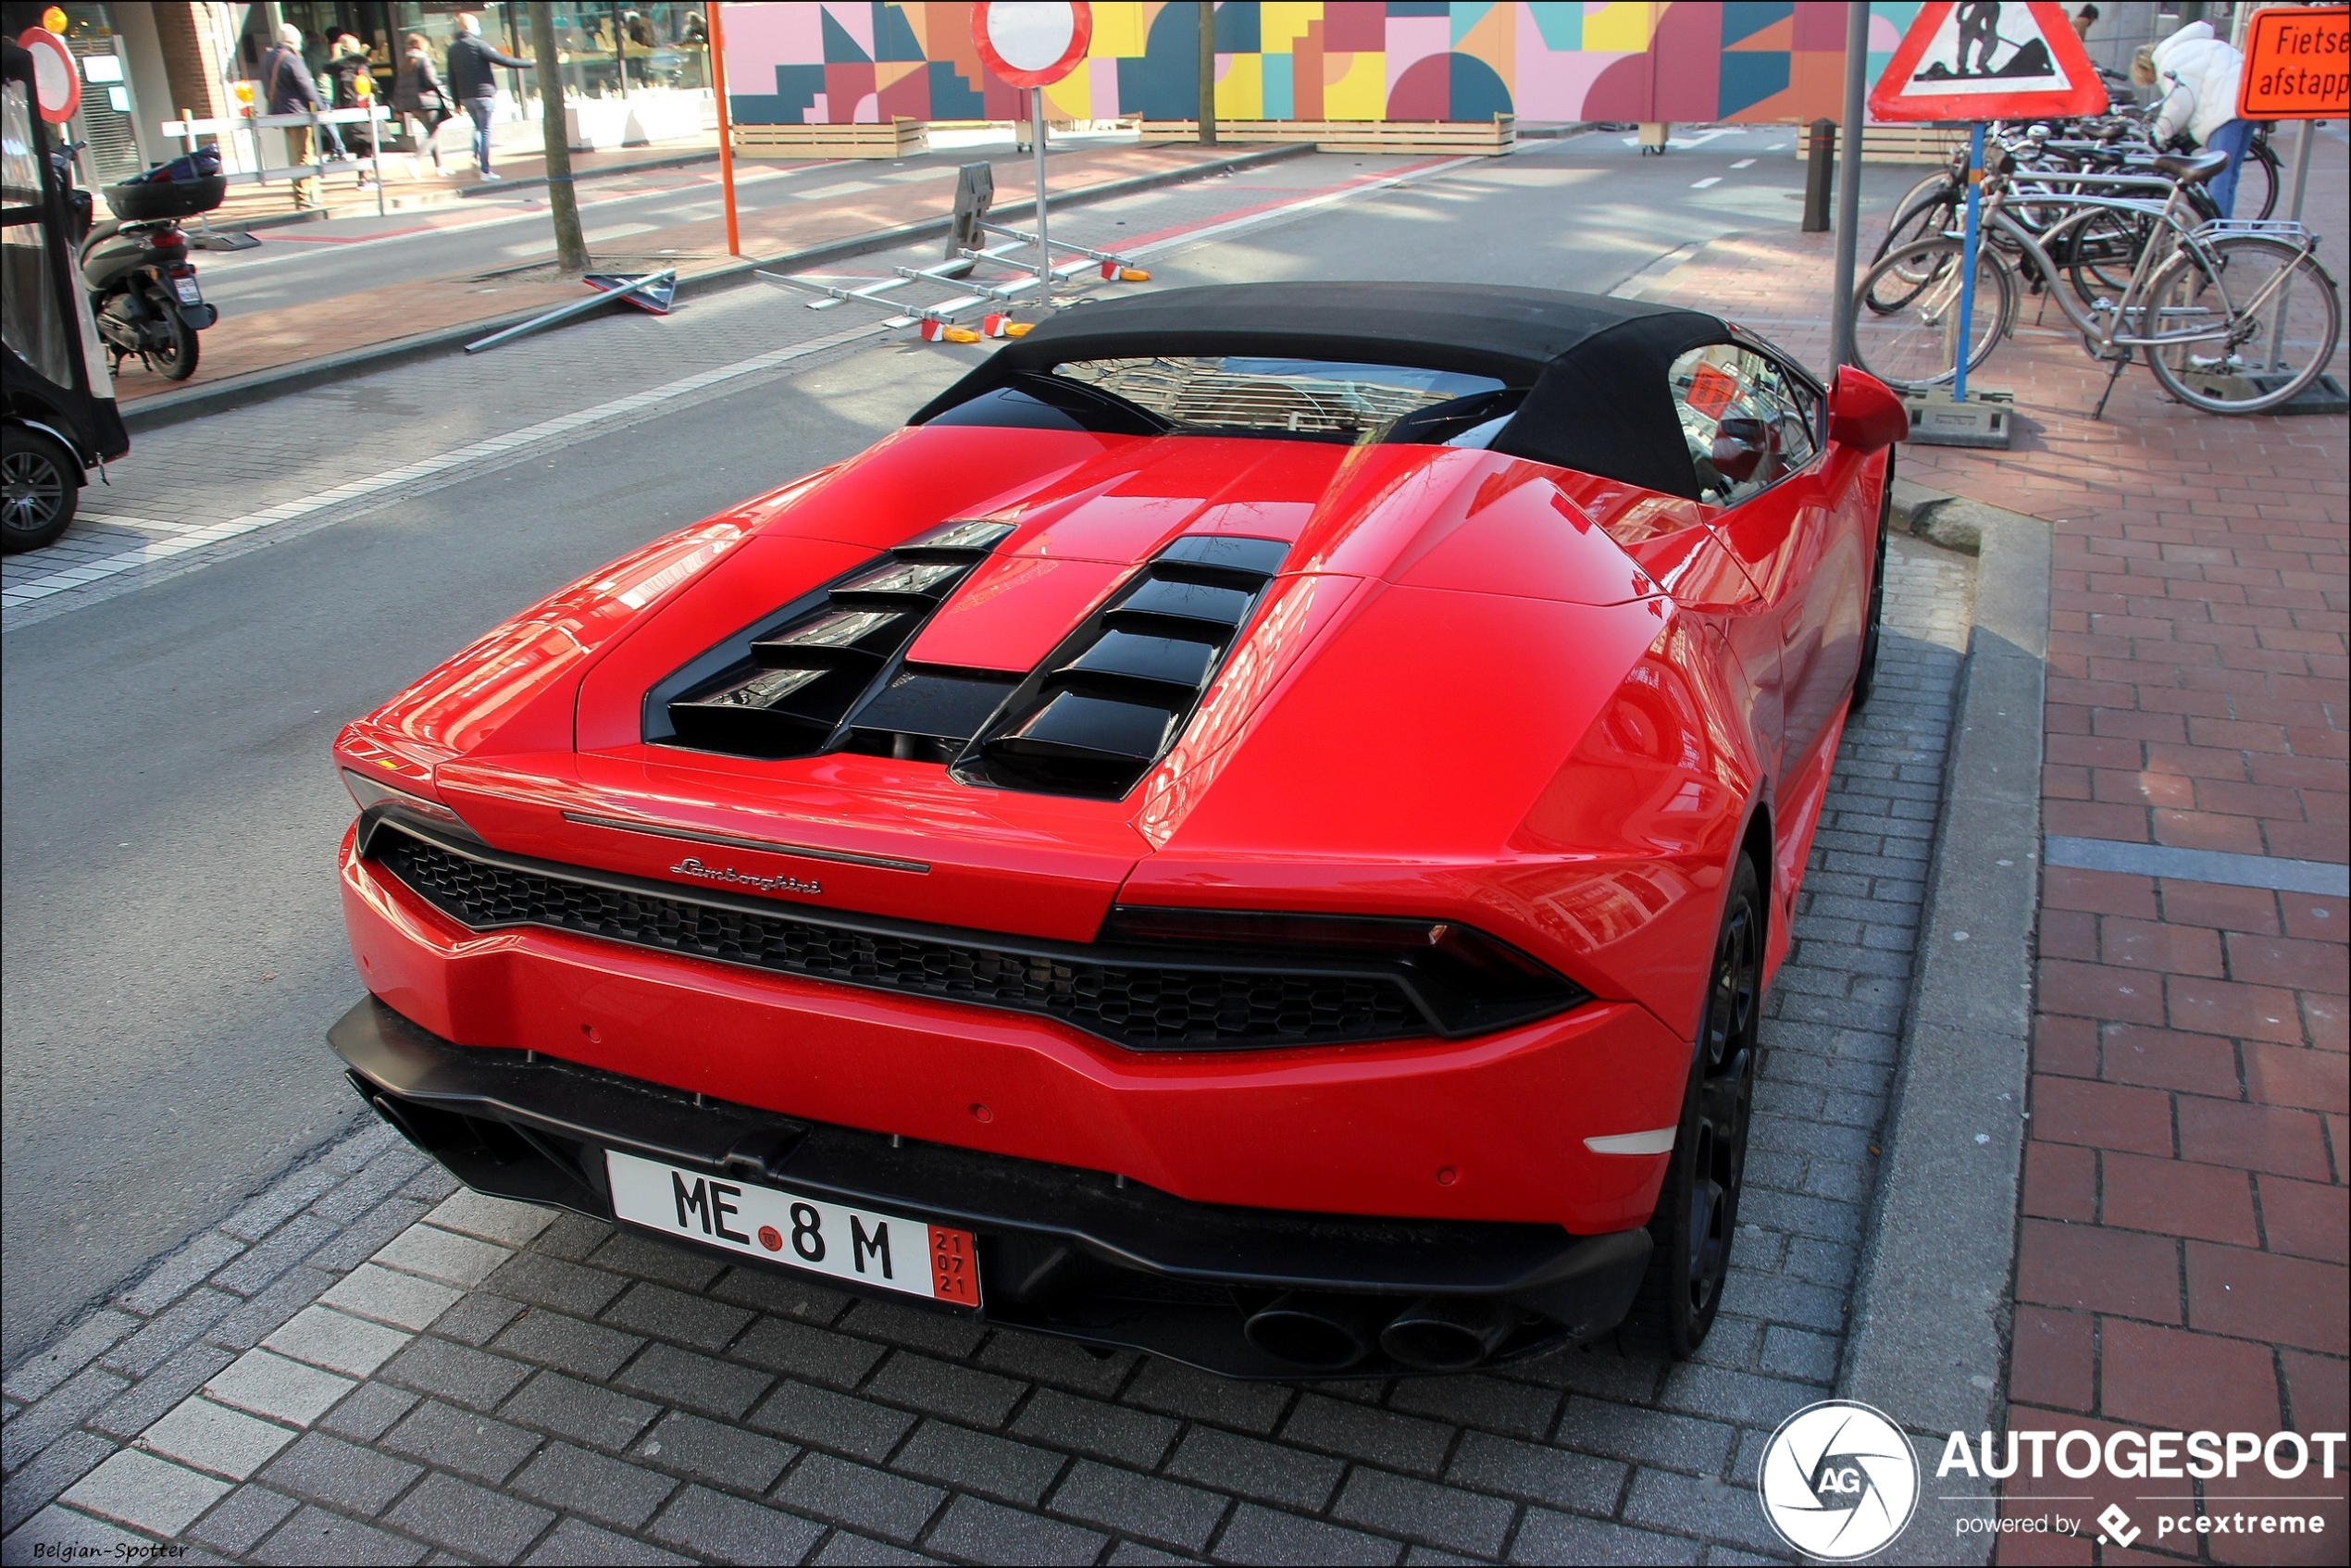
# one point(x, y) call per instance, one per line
point(1547, 704)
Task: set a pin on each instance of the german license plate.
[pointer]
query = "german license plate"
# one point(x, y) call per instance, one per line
point(187, 287)
point(887, 1250)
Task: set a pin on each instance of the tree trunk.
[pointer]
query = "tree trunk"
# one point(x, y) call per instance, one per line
point(1208, 73)
point(562, 205)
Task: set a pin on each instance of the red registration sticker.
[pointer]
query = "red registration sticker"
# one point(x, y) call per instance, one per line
point(955, 1268)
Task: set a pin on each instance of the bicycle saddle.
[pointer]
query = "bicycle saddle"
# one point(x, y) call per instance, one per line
point(2191, 167)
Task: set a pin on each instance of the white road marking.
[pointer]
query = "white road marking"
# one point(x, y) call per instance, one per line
point(409, 473)
point(1696, 138)
point(1744, 163)
point(1702, 184)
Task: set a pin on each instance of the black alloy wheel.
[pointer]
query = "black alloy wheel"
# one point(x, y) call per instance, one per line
point(40, 482)
point(1698, 1209)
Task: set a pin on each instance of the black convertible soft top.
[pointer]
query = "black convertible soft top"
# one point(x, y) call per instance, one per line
point(1595, 368)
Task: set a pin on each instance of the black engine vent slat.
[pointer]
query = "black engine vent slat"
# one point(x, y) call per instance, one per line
point(1170, 661)
point(1092, 729)
point(1257, 558)
point(1107, 704)
point(774, 712)
point(1194, 603)
point(1130, 1002)
point(857, 629)
point(968, 540)
point(939, 704)
point(842, 638)
point(899, 582)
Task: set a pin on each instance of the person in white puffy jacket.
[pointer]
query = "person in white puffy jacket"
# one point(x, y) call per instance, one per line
point(2198, 73)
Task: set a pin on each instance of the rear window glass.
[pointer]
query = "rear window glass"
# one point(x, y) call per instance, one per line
point(1313, 398)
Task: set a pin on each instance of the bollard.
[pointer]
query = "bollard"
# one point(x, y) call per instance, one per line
point(1819, 171)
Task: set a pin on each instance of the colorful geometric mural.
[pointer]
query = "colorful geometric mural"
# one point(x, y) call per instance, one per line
point(1690, 60)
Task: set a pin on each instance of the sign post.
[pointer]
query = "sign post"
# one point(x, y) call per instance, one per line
point(2298, 66)
point(725, 125)
point(1032, 44)
point(1977, 61)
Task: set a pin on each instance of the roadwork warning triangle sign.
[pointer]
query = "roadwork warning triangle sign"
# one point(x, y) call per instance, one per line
point(1984, 59)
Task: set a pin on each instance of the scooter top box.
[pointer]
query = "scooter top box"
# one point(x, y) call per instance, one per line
point(138, 202)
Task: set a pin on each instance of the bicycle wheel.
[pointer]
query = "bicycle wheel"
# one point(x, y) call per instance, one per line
point(2257, 175)
point(1932, 215)
point(2101, 252)
point(1906, 333)
point(2273, 312)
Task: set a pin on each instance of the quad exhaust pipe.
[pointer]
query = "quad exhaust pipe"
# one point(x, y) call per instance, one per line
point(1331, 1333)
point(1448, 1333)
point(1326, 1333)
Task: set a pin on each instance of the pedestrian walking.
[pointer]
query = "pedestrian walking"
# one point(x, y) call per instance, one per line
point(419, 96)
point(287, 89)
point(470, 60)
point(346, 64)
point(2200, 72)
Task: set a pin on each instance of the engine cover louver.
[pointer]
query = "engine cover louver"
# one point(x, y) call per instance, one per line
point(1107, 704)
point(829, 672)
point(829, 675)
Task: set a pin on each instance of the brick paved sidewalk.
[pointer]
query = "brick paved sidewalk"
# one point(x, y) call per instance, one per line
point(2182, 1252)
point(364, 1364)
point(411, 185)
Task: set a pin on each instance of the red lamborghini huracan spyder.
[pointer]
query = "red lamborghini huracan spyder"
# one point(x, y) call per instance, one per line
point(1255, 828)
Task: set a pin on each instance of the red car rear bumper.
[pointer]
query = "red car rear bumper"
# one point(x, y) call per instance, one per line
point(1490, 1128)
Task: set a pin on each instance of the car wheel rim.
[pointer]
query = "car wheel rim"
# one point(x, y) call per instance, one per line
point(31, 492)
point(1725, 1094)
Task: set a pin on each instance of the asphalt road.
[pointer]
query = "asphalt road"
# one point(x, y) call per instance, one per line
point(174, 951)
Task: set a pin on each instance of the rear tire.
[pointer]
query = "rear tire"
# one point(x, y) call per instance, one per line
point(1865, 678)
point(177, 361)
point(1698, 1209)
point(40, 484)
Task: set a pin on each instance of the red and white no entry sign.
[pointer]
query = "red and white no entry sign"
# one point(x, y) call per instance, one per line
point(1032, 43)
point(56, 84)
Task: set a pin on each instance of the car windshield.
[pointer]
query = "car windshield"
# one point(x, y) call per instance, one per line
point(1320, 399)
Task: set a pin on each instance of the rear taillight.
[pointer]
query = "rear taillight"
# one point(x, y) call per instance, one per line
point(1467, 981)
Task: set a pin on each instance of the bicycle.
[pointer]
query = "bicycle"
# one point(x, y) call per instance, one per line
point(2216, 305)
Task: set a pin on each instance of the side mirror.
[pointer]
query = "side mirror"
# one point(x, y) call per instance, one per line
point(1739, 447)
point(1864, 412)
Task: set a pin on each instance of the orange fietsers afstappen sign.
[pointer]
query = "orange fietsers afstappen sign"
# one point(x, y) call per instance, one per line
point(2297, 64)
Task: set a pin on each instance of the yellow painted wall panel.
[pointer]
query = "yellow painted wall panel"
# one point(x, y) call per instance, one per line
point(1120, 30)
point(1621, 26)
point(1073, 96)
point(1240, 92)
point(1281, 23)
point(1362, 92)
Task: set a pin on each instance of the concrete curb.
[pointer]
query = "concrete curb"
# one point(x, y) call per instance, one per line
point(260, 386)
point(1932, 1309)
